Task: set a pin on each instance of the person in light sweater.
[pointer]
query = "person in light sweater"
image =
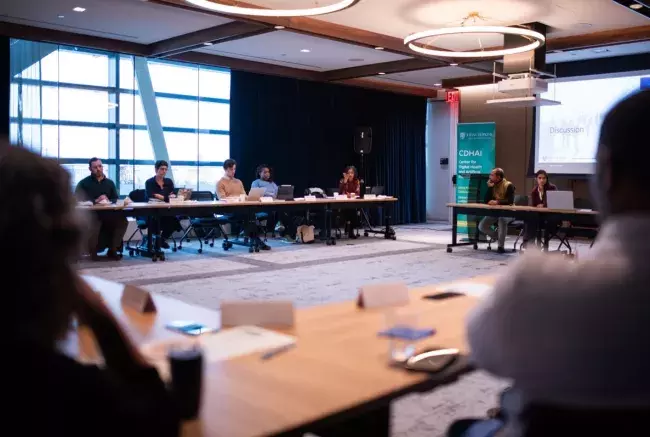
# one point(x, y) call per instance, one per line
point(229, 185)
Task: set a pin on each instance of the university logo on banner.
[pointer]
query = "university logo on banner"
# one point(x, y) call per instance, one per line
point(476, 156)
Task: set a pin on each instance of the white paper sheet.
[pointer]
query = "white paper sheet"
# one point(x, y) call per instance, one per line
point(230, 343)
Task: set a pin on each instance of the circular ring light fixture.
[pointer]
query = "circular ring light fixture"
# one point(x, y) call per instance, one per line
point(536, 40)
point(238, 10)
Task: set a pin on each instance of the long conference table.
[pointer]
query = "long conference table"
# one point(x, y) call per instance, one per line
point(153, 212)
point(530, 214)
point(336, 381)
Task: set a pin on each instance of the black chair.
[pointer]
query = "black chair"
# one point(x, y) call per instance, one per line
point(576, 228)
point(519, 225)
point(206, 228)
point(141, 222)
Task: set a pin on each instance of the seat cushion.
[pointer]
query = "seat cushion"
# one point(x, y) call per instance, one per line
point(142, 223)
point(205, 222)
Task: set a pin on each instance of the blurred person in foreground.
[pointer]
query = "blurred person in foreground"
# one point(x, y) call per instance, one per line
point(575, 335)
point(47, 391)
point(100, 190)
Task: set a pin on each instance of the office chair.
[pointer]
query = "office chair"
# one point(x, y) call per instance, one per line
point(141, 222)
point(206, 228)
point(519, 225)
point(576, 228)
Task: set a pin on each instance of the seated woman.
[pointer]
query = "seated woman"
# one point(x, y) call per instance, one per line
point(350, 185)
point(538, 198)
point(42, 295)
point(161, 188)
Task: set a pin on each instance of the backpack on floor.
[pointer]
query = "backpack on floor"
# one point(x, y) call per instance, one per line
point(305, 234)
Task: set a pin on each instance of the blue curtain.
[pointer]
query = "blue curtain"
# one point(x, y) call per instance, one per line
point(305, 132)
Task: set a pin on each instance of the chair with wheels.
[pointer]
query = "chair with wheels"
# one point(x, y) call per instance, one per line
point(205, 228)
point(519, 225)
point(141, 225)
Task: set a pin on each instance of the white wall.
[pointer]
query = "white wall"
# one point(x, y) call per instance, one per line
point(442, 118)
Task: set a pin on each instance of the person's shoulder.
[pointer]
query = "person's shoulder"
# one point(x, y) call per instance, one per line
point(150, 180)
point(551, 187)
point(256, 183)
point(85, 180)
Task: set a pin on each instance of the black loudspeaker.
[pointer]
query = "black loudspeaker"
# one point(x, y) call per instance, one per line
point(363, 140)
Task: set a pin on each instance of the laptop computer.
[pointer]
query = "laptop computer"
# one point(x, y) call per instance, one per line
point(559, 199)
point(255, 194)
point(378, 190)
point(285, 192)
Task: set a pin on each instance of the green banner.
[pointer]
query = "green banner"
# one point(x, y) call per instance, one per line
point(475, 156)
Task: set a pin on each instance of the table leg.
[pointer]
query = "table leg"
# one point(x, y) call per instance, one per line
point(454, 226)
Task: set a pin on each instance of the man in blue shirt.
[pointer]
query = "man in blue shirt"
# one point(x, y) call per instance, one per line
point(264, 181)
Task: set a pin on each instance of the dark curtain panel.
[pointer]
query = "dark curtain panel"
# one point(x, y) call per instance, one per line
point(305, 132)
point(5, 80)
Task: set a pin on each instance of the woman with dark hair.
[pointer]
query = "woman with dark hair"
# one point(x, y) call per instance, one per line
point(161, 188)
point(350, 186)
point(538, 195)
point(43, 293)
point(539, 200)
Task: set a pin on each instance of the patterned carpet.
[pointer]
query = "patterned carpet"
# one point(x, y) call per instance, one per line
point(317, 274)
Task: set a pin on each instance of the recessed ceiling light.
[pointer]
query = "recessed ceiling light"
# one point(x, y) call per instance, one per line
point(636, 6)
point(78, 9)
point(356, 59)
point(453, 64)
point(584, 25)
point(600, 50)
point(279, 27)
point(60, 16)
point(305, 50)
point(207, 43)
point(437, 84)
point(379, 48)
point(381, 73)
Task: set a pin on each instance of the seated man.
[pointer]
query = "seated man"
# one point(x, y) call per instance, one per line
point(500, 192)
point(97, 188)
point(285, 225)
point(230, 186)
point(264, 181)
point(573, 334)
point(161, 188)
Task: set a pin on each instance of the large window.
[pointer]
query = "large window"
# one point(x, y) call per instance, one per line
point(73, 104)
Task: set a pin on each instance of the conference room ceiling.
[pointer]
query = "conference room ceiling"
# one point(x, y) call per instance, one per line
point(430, 78)
point(288, 48)
point(341, 45)
point(599, 52)
point(127, 20)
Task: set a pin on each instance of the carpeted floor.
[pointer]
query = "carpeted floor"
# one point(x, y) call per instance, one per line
point(317, 274)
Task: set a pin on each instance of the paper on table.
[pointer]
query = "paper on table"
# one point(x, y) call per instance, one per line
point(230, 343)
point(470, 288)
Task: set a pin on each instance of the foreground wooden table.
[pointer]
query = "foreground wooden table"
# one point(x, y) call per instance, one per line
point(336, 381)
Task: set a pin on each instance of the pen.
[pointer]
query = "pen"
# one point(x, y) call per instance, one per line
point(276, 351)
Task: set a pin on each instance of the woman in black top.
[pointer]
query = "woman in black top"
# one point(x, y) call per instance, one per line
point(161, 188)
point(47, 392)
